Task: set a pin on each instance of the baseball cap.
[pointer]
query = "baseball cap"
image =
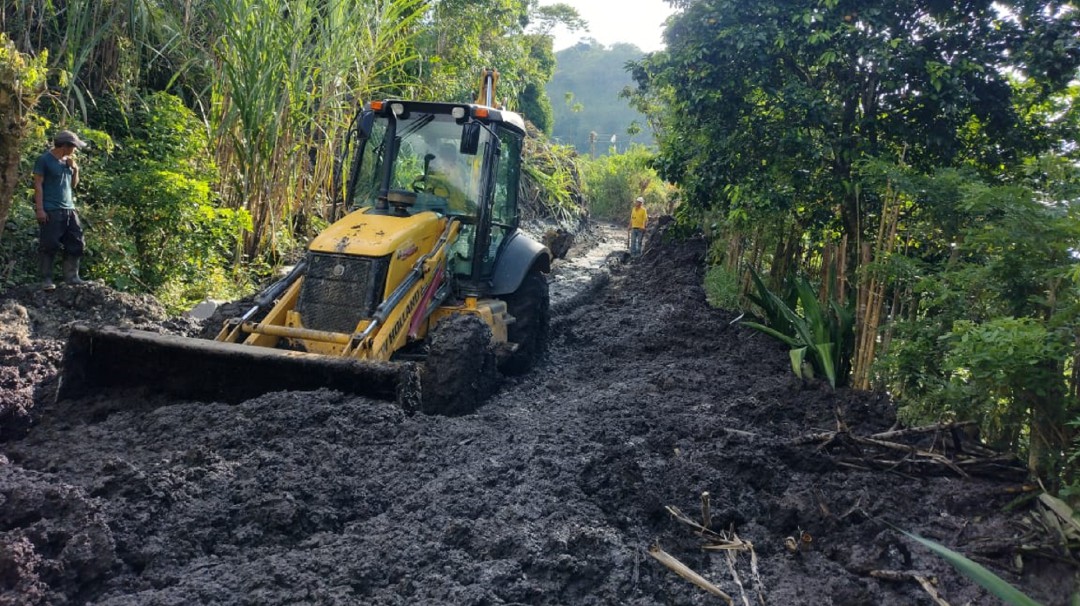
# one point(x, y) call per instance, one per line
point(66, 136)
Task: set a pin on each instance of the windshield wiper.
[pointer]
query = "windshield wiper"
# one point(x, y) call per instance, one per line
point(415, 126)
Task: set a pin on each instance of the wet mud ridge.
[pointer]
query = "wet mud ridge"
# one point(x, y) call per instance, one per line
point(562, 489)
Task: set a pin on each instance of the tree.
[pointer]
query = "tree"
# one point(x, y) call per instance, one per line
point(778, 101)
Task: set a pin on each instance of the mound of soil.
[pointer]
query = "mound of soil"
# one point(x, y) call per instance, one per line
point(553, 492)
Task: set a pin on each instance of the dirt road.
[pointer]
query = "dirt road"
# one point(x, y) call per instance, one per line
point(553, 493)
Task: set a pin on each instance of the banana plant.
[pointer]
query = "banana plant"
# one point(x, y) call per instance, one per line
point(822, 335)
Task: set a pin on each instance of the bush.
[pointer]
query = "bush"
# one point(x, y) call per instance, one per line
point(153, 221)
point(613, 182)
point(822, 336)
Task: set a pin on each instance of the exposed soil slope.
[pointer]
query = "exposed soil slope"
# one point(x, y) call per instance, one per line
point(551, 493)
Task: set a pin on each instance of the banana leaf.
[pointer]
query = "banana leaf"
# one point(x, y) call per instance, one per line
point(976, 572)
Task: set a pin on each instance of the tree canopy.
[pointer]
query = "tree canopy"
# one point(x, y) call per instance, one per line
point(778, 101)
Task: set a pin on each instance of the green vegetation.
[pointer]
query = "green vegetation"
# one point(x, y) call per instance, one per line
point(820, 335)
point(22, 81)
point(723, 287)
point(216, 123)
point(612, 182)
point(918, 160)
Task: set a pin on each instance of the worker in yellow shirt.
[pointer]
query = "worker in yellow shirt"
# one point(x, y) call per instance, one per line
point(638, 218)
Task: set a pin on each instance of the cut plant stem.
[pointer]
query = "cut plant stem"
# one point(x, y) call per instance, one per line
point(685, 572)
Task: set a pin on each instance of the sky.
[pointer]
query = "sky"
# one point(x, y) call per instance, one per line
point(639, 22)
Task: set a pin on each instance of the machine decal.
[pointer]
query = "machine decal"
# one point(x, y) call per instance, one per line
point(403, 317)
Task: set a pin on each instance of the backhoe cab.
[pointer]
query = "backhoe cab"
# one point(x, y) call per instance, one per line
point(415, 294)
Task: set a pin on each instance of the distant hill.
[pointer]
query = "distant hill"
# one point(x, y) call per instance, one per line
point(595, 74)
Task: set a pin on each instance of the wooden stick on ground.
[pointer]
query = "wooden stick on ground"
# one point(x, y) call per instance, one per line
point(685, 572)
point(730, 558)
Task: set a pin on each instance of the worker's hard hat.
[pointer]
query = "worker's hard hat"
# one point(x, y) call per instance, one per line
point(640, 199)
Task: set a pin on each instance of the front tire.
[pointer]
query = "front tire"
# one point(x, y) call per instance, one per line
point(460, 372)
point(530, 306)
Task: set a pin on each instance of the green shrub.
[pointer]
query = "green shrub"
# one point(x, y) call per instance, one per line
point(823, 336)
point(18, 248)
point(154, 221)
point(613, 182)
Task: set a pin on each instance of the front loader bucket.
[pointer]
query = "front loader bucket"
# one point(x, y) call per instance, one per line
point(199, 369)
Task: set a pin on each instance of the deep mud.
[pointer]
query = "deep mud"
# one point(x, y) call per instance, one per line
point(551, 493)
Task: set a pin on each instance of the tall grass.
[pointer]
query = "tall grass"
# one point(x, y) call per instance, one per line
point(291, 75)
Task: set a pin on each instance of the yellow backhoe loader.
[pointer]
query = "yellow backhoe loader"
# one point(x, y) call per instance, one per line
point(416, 294)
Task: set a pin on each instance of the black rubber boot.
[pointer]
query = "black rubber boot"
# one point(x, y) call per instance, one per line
point(71, 271)
point(45, 267)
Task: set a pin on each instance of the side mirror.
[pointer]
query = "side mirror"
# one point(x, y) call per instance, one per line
point(470, 138)
point(367, 122)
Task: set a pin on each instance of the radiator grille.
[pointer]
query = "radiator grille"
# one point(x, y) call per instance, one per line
point(340, 290)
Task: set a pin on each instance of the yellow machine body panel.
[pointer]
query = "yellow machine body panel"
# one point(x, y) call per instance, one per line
point(365, 233)
point(415, 249)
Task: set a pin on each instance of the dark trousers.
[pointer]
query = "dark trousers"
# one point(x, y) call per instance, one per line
point(62, 231)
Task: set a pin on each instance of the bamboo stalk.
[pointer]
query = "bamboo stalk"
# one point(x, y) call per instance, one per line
point(841, 271)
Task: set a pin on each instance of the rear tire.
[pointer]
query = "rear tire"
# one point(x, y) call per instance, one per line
point(460, 372)
point(530, 306)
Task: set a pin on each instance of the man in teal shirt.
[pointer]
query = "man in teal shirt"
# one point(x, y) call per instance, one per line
point(55, 175)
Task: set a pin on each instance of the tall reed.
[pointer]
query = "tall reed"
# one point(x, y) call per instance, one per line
point(291, 74)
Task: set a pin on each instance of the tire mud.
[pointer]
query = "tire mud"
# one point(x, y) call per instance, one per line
point(460, 372)
point(551, 493)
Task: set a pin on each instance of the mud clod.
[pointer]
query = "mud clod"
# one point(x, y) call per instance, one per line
point(552, 492)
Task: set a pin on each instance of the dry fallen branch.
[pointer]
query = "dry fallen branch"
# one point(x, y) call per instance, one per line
point(872, 452)
point(936, 428)
point(1070, 527)
point(685, 572)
